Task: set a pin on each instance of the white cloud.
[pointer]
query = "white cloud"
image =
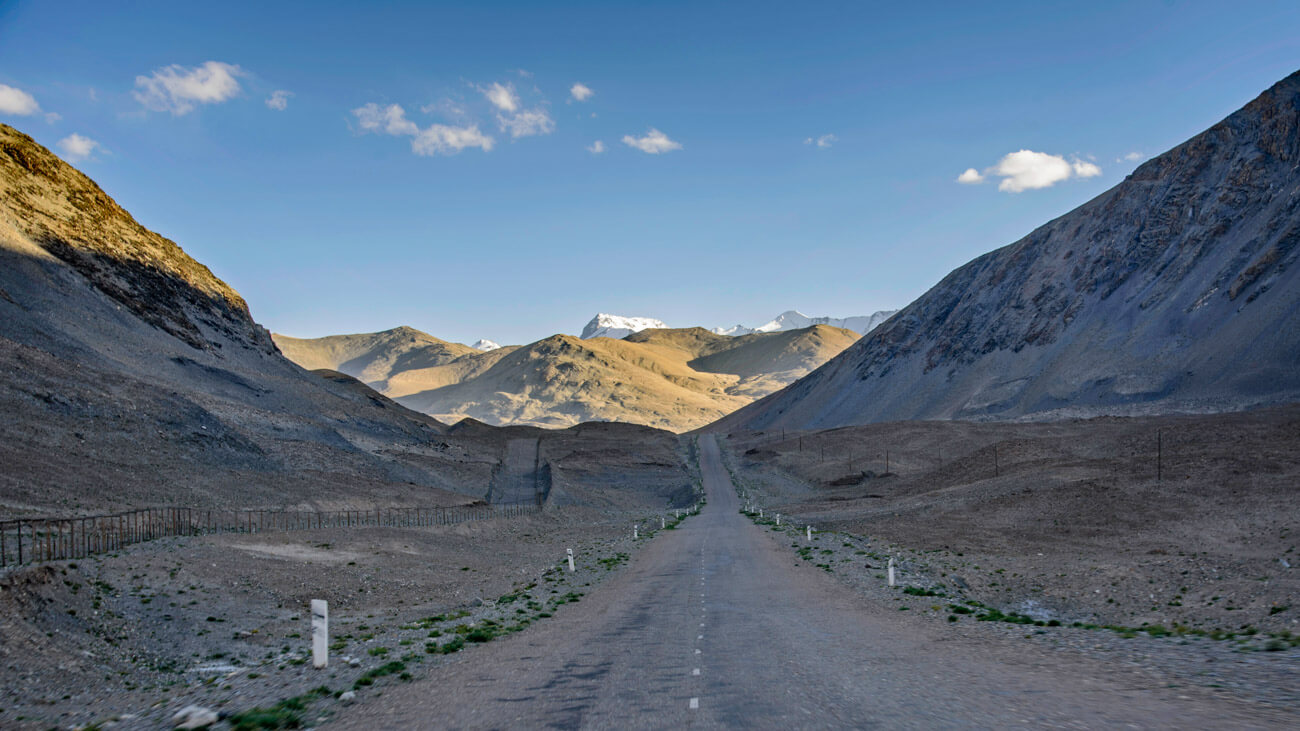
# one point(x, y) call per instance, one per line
point(1028, 170)
point(75, 147)
point(52, 117)
point(596, 147)
point(1131, 157)
point(581, 92)
point(437, 139)
point(279, 100)
point(389, 120)
point(654, 142)
point(823, 142)
point(527, 123)
point(1084, 169)
point(441, 139)
point(177, 89)
point(502, 97)
point(16, 101)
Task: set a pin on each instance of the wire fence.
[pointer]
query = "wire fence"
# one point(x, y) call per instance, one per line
point(32, 540)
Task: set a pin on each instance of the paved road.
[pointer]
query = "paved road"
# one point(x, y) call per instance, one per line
point(714, 625)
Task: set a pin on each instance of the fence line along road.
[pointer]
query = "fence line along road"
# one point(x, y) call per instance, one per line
point(32, 540)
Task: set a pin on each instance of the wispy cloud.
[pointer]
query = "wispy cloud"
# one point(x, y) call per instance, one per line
point(17, 102)
point(823, 142)
point(512, 117)
point(654, 142)
point(441, 139)
point(527, 123)
point(177, 89)
point(503, 97)
point(1028, 170)
point(596, 147)
point(389, 120)
point(437, 139)
point(1130, 157)
point(76, 147)
point(279, 100)
point(581, 92)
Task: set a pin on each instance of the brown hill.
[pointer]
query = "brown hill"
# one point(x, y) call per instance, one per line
point(675, 379)
point(372, 358)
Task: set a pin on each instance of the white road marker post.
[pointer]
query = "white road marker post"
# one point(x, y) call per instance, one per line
point(320, 633)
point(809, 532)
point(662, 523)
point(778, 519)
point(760, 512)
point(891, 570)
point(634, 535)
point(571, 569)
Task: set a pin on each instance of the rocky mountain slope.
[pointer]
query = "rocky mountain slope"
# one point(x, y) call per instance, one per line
point(1176, 290)
point(133, 377)
point(670, 379)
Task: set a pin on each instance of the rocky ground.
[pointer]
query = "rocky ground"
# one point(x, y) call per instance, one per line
point(1070, 540)
point(223, 621)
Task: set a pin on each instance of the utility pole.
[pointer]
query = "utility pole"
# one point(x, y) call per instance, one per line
point(1159, 456)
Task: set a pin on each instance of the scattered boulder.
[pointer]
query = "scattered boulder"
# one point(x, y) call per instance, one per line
point(193, 716)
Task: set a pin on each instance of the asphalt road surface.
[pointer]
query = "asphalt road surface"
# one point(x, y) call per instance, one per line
point(716, 625)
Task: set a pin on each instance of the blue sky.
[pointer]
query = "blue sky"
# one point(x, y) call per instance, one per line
point(807, 154)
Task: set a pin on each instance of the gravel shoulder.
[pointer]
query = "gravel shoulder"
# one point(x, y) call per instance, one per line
point(1186, 581)
point(221, 621)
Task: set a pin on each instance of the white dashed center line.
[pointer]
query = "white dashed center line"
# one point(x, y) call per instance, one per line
point(695, 703)
point(696, 671)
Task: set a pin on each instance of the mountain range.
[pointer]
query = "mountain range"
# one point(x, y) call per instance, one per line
point(674, 379)
point(1176, 290)
point(794, 320)
point(604, 325)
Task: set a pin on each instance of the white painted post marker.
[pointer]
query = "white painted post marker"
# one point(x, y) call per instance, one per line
point(320, 633)
point(662, 523)
point(760, 512)
point(778, 519)
point(634, 532)
point(809, 530)
point(891, 570)
point(570, 550)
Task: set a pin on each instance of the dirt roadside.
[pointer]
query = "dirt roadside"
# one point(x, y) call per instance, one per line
point(1070, 545)
point(128, 639)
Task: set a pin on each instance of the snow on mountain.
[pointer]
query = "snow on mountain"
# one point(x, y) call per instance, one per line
point(485, 345)
point(794, 320)
point(617, 327)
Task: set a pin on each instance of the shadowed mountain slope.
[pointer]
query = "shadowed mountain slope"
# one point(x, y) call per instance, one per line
point(132, 376)
point(1176, 290)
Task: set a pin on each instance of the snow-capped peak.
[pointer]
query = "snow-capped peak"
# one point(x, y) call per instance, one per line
point(616, 326)
point(794, 320)
point(485, 345)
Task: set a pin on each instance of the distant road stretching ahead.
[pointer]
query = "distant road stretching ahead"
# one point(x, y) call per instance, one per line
point(713, 625)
